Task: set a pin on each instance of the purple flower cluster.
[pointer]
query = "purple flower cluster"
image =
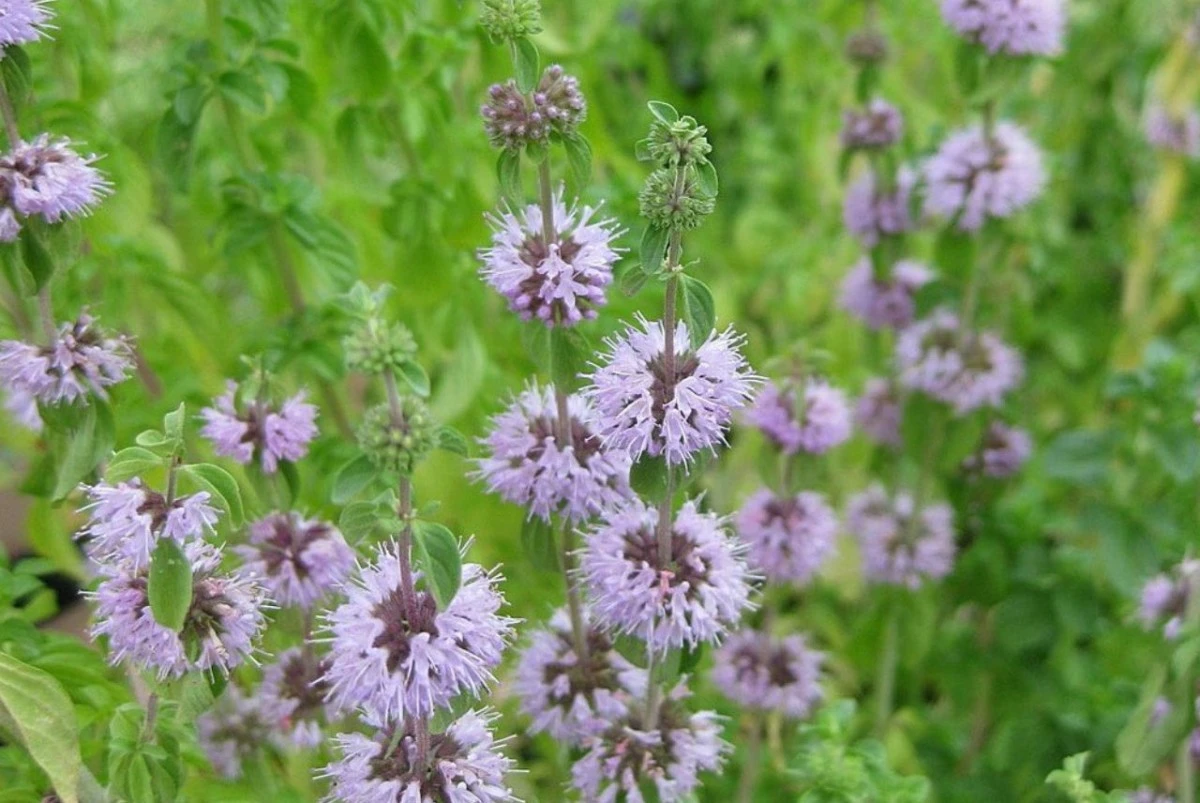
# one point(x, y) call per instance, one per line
point(788, 538)
point(692, 597)
point(526, 464)
point(1012, 27)
point(234, 729)
point(556, 106)
point(299, 560)
point(1174, 133)
point(900, 544)
point(879, 125)
point(258, 429)
point(1002, 452)
point(642, 410)
point(23, 21)
point(1165, 597)
point(560, 282)
point(884, 301)
point(48, 179)
point(126, 521)
point(878, 412)
point(293, 694)
point(812, 417)
point(22, 407)
point(872, 211)
point(82, 360)
point(769, 674)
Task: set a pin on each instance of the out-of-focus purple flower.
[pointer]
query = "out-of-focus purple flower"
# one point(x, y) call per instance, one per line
point(259, 429)
point(82, 360)
point(23, 21)
point(233, 730)
point(464, 765)
point(878, 412)
point(816, 426)
point(671, 755)
point(1013, 27)
point(1175, 133)
point(513, 120)
point(560, 283)
point(569, 698)
point(900, 545)
point(973, 177)
point(879, 125)
point(299, 560)
point(225, 618)
point(527, 466)
point(1147, 795)
point(125, 521)
point(1165, 598)
point(887, 301)
point(1002, 452)
point(966, 370)
point(769, 674)
point(641, 410)
point(789, 538)
point(50, 179)
point(691, 598)
point(872, 211)
point(398, 658)
point(22, 407)
point(292, 695)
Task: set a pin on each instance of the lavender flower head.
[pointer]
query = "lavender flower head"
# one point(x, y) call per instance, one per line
point(878, 412)
point(293, 696)
point(464, 765)
point(222, 624)
point(571, 698)
point(1147, 795)
point(966, 370)
point(642, 410)
point(22, 409)
point(258, 429)
point(691, 598)
point(899, 545)
point(872, 212)
point(884, 302)
point(1013, 27)
point(236, 727)
point(23, 21)
point(1002, 453)
point(973, 177)
point(559, 283)
point(395, 659)
point(789, 538)
point(513, 120)
point(1166, 597)
point(48, 178)
point(299, 560)
point(821, 422)
point(82, 360)
point(671, 755)
point(769, 674)
point(1174, 133)
point(126, 521)
point(879, 125)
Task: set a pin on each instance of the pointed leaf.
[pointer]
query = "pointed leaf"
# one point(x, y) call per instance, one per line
point(437, 554)
point(653, 249)
point(579, 156)
point(221, 484)
point(663, 112)
point(415, 377)
point(169, 588)
point(508, 172)
point(43, 718)
point(131, 462)
point(538, 543)
point(698, 308)
point(526, 55)
point(352, 478)
point(451, 440)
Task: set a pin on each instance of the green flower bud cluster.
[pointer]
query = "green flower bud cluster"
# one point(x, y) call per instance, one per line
point(398, 444)
point(682, 142)
point(668, 206)
point(506, 20)
point(376, 347)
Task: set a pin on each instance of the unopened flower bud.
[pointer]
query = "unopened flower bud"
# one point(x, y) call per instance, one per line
point(397, 443)
point(377, 347)
point(505, 20)
point(666, 208)
point(682, 142)
point(513, 120)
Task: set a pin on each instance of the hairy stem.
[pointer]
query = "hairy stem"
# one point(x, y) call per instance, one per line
point(46, 312)
point(752, 762)
point(151, 717)
point(885, 682)
point(10, 117)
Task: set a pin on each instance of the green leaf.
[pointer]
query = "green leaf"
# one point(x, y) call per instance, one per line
point(244, 90)
point(43, 719)
point(173, 423)
point(954, 252)
point(706, 173)
point(352, 478)
point(632, 279)
point(131, 462)
point(579, 156)
point(169, 588)
point(1149, 736)
point(508, 172)
point(663, 112)
point(538, 544)
point(648, 477)
point(291, 477)
point(415, 377)
point(37, 258)
point(189, 103)
point(698, 308)
point(569, 352)
point(221, 484)
point(1081, 456)
point(437, 554)
point(653, 249)
point(17, 75)
point(525, 56)
point(152, 439)
point(451, 440)
point(359, 521)
point(89, 444)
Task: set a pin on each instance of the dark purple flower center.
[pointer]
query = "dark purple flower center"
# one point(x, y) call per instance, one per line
point(399, 627)
point(683, 566)
point(637, 756)
point(210, 607)
point(400, 763)
point(304, 681)
point(776, 662)
point(155, 506)
point(662, 389)
point(583, 677)
point(287, 543)
point(583, 442)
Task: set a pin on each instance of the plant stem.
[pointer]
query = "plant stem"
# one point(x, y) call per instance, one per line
point(46, 311)
point(10, 117)
point(653, 689)
point(151, 717)
point(885, 682)
point(546, 202)
point(1186, 782)
point(752, 762)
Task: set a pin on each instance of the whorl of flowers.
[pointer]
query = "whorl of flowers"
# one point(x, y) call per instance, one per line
point(513, 120)
point(1165, 597)
point(1147, 795)
point(670, 755)
point(695, 596)
point(900, 545)
point(1175, 133)
point(397, 658)
point(789, 538)
point(292, 695)
point(463, 765)
point(23, 21)
point(219, 631)
point(511, 19)
point(872, 211)
point(641, 410)
point(884, 301)
point(526, 465)
point(1003, 451)
point(668, 208)
point(126, 520)
point(397, 442)
point(975, 176)
point(257, 429)
point(878, 413)
point(879, 125)
point(48, 179)
point(966, 370)
point(82, 360)
point(559, 283)
point(769, 674)
point(814, 423)
point(376, 347)
point(299, 560)
point(233, 730)
point(567, 696)
point(1012, 27)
